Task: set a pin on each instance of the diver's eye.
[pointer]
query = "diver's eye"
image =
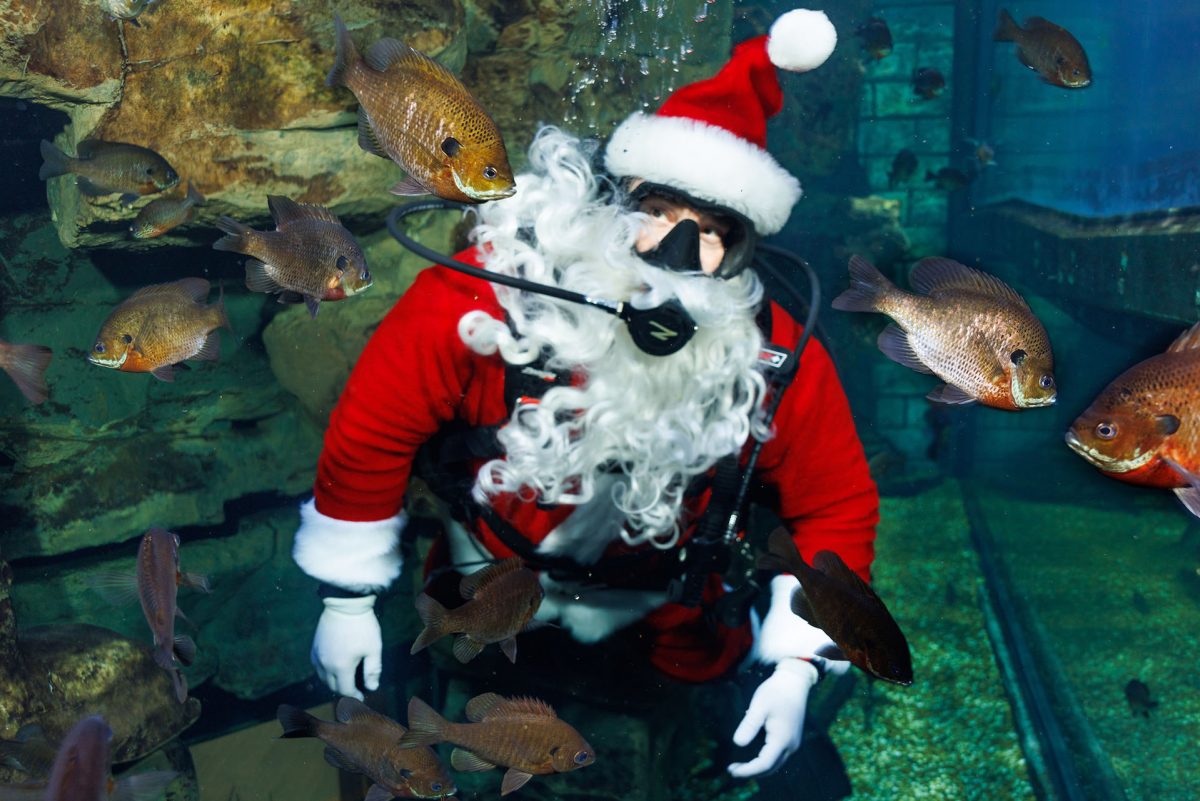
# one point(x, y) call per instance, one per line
point(1047, 382)
point(1018, 356)
point(489, 172)
point(99, 347)
point(126, 338)
point(1106, 430)
point(581, 757)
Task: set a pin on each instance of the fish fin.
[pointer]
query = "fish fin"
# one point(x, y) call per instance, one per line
point(378, 792)
point(832, 565)
point(1007, 29)
point(409, 186)
point(425, 725)
point(467, 762)
point(346, 55)
point(367, 140)
point(934, 273)
point(184, 649)
point(146, 786)
point(116, 587)
point(514, 780)
point(950, 395)
point(433, 615)
point(284, 210)
point(348, 709)
point(196, 289)
point(27, 368)
point(895, 344)
point(296, 722)
point(179, 682)
point(259, 278)
point(164, 373)
point(526, 706)
point(90, 189)
point(313, 304)
point(54, 162)
point(867, 287)
point(472, 583)
point(339, 760)
point(1188, 340)
point(801, 606)
point(782, 553)
point(288, 296)
point(1190, 498)
point(466, 649)
point(386, 53)
point(129, 198)
point(194, 195)
point(479, 707)
point(831, 651)
point(90, 148)
point(238, 236)
point(210, 351)
point(1184, 473)
point(509, 647)
point(195, 581)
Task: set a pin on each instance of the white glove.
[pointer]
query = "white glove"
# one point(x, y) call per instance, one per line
point(777, 708)
point(348, 633)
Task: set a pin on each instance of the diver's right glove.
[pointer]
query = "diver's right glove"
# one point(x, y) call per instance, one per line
point(348, 633)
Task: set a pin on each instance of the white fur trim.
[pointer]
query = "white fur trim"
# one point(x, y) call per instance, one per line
point(358, 557)
point(590, 613)
point(785, 634)
point(707, 162)
point(801, 40)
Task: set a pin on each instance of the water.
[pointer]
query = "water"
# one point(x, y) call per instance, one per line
point(1031, 588)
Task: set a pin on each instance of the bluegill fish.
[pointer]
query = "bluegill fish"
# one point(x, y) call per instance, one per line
point(309, 255)
point(417, 113)
point(833, 598)
point(1143, 428)
point(160, 326)
point(106, 168)
point(501, 600)
point(158, 582)
point(966, 327)
point(125, 9)
point(162, 214)
point(26, 366)
point(521, 734)
point(1137, 693)
point(1047, 49)
point(81, 770)
point(904, 167)
point(928, 82)
point(876, 37)
point(364, 741)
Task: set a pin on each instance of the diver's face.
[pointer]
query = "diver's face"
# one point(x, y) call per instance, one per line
point(665, 214)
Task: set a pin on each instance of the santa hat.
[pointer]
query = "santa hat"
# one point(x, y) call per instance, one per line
point(709, 138)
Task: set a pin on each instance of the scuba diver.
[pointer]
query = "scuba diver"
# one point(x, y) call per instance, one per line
point(612, 449)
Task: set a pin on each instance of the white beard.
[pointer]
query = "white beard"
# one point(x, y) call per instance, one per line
point(657, 421)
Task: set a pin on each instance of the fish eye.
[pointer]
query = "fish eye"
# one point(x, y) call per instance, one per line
point(489, 172)
point(365, 275)
point(1047, 382)
point(436, 787)
point(99, 347)
point(1106, 430)
point(581, 757)
point(126, 338)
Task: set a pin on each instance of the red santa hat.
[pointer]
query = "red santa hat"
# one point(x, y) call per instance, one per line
point(709, 138)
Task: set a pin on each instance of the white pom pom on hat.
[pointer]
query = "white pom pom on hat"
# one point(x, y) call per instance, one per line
point(801, 40)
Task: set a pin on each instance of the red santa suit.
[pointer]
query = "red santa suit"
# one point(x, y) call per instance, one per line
point(416, 375)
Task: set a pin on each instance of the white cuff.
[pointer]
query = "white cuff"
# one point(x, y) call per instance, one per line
point(357, 557)
point(784, 634)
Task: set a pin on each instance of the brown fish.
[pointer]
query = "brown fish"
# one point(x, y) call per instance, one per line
point(81, 770)
point(876, 37)
point(158, 582)
point(415, 112)
point(26, 366)
point(160, 326)
point(1137, 693)
point(521, 734)
point(833, 598)
point(904, 167)
point(364, 741)
point(501, 600)
point(966, 327)
point(1047, 49)
point(105, 168)
point(162, 214)
point(309, 255)
point(928, 82)
point(949, 179)
point(1142, 429)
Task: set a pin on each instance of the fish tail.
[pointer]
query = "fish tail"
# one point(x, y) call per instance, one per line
point(296, 722)
point(781, 553)
point(55, 162)
point(868, 287)
point(218, 308)
point(433, 615)
point(425, 725)
point(1006, 28)
point(194, 195)
point(238, 236)
point(346, 56)
point(27, 368)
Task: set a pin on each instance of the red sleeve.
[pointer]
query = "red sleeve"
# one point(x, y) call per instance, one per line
point(414, 375)
point(815, 463)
